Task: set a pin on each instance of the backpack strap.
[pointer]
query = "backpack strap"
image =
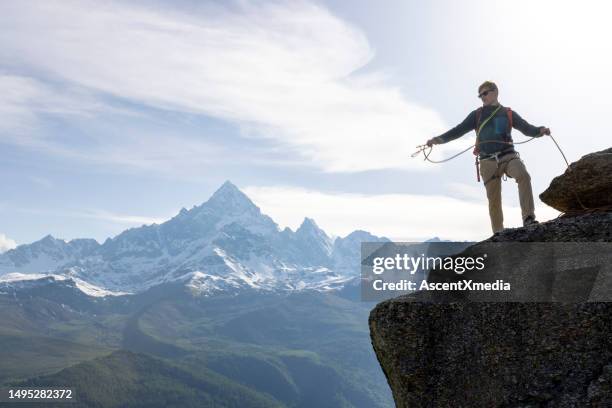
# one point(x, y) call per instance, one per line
point(509, 113)
point(507, 137)
point(479, 127)
point(476, 147)
point(478, 116)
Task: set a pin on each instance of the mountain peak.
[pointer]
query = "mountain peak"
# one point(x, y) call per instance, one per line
point(229, 197)
point(227, 186)
point(360, 235)
point(308, 224)
point(50, 240)
point(310, 227)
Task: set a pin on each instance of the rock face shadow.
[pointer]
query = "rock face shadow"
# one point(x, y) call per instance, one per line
point(547, 344)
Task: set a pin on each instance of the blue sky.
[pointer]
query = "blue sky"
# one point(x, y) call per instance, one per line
point(117, 114)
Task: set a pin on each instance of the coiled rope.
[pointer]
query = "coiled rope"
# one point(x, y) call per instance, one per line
point(426, 150)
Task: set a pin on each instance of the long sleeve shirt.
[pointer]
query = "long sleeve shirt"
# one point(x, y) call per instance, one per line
point(495, 130)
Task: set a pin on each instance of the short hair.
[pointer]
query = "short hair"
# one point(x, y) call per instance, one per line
point(488, 85)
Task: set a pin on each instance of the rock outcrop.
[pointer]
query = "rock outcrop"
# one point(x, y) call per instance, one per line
point(450, 349)
point(495, 354)
point(586, 184)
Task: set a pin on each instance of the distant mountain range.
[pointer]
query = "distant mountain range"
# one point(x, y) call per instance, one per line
point(217, 306)
point(225, 245)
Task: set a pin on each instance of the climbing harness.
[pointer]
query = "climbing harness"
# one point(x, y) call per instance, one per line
point(426, 150)
point(497, 156)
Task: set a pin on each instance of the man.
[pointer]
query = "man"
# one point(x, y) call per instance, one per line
point(493, 124)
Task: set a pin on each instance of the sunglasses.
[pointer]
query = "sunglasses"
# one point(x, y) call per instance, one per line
point(485, 93)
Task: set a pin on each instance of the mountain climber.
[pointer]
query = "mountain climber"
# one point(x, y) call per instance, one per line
point(495, 154)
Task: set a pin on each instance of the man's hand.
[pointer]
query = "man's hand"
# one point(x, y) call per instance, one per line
point(544, 131)
point(433, 141)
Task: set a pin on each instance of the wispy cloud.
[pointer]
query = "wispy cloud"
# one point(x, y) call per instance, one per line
point(407, 217)
point(290, 73)
point(27, 102)
point(123, 219)
point(473, 192)
point(6, 243)
point(23, 100)
point(103, 215)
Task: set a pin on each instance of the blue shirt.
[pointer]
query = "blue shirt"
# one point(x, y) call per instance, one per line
point(496, 129)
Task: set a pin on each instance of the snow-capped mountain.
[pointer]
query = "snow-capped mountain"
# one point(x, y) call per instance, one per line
point(225, 244)
point(46, 254)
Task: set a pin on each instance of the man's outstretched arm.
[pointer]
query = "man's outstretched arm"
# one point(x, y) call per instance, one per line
point(526, 128)
point(456, 132)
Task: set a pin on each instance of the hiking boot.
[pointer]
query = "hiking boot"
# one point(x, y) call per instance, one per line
point(530, 220)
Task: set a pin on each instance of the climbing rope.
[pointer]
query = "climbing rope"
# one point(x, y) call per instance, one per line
point(423, 148)
point(426, 150)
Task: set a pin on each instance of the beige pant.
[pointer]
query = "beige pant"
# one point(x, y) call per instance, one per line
point(491, 173)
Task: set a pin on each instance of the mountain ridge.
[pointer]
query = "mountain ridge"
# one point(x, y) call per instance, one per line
point(224, 244)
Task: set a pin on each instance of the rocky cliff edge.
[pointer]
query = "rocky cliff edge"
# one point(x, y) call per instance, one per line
point(469, 350)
